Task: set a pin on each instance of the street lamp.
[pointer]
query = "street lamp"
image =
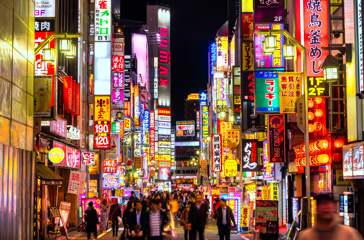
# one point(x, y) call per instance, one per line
point(269, 43)
point(49, 55)
point(71, 53)
point(330, 67)
point(65, 45)
point(289, 51)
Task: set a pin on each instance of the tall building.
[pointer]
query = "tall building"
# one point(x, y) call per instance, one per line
point(191, 106)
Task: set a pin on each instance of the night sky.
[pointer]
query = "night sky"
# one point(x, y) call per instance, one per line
point(194, 24)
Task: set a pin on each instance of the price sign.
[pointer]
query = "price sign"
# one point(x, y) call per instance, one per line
point(102, 122)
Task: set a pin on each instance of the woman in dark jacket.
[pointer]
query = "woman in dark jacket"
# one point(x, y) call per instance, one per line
point(126, 215)
point(91, 220)
point(114, 213)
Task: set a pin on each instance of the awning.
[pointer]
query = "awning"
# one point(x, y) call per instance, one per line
point(47, 175)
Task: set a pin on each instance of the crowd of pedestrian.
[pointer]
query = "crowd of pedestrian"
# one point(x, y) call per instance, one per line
point(152, 217)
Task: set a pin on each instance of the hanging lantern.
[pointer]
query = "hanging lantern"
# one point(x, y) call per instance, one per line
point(339, 143)
point(323, 158)
point(331, 66)
point(267, 50)
point(318, 100)
point(310, 104)
point(72, 52)
point(49, 55)
point(65, 45)
point(318, 126)
point(323, 144)
point(337, 157)
point(289, 51)
point(310, 116)
point(270, 41)
point(311, 128)
point(318, 113)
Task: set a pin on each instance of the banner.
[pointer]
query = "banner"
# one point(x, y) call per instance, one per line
point(276, 139)
point(249, 156)
point(245, 215)
point(230, 168)
point(290, 89)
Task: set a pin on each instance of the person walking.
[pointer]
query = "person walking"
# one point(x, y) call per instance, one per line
point(137, 222)
point(129, 209)
point(114, 213)
point(156, 220)
point(197, 218)
point(184, 222)
point(91, 220)
point(327, 226)
point(103, 215)
point(224, 216)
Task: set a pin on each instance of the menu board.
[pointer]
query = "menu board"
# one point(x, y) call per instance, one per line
point(267, 219)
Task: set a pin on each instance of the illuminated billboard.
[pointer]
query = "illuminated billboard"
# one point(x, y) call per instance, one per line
point(185, 128)
point(164, 58)
point(102, 76)
point(222, 47)
point(103, 21)
point(140, 49)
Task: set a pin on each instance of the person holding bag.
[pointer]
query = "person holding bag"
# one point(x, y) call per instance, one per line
point(184, 222)
point(114, 214)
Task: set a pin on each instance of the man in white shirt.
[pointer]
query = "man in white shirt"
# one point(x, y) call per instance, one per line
point(224, 218)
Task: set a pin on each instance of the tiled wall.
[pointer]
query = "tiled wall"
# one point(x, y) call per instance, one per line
point(16, 73)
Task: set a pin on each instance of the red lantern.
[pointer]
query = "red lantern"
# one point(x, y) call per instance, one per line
point(310, 104)
point(339, 143)
point(337, 157)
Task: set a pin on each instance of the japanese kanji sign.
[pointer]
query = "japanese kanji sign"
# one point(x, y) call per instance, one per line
point(290, 89)
point(102, 120)
point(103, 20)
point(44, 25)
point(216, 153)
point(43, 68)
point(118, 63)
point(249, 156)
point(222, 47)
point(88, 158)
point(247, 27)
point(316, 35)
point(233, 137)
point(274, 191)
point(248, 56)
point(266, 92)
point(276, 138)
point(110, 166)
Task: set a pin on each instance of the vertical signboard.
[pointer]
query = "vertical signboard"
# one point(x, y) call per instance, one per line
point(247, 27)
point(222, 91)
point(249, 155)
point(213, 56)
point(248, 56)
point(290, 89)
point(164, 58)
point(276, 139)
point(359, 41)
point(103, 20)
point(102, 122)
point(216, 153)
point(267, 92)
point(314, 25)
point(268, 168)
point(222, 47)
point(146, 127)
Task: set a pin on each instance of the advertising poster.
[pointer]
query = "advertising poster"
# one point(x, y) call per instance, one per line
point(276, 140)
point(97, 205)
point(267, 92)
point(102, 118)
point(230, 167)
point(267, 219)
point(185, 128)
point(88, 158)
point(250, 156)
point(42, 96)
point(290, 89)
point(74, 182)
point(72, 156)
point(358, 166)
point(267, 11)
point(274, 60)
point(245, 215)
point(110, 181)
